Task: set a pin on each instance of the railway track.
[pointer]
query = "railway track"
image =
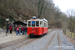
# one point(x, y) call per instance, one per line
point(12, 43)
point(58, 37)
point(17, 43)
point(49, 42)
point(59, 41)
point(24, 44)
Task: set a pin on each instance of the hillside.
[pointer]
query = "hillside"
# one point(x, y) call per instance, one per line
point(25, 9)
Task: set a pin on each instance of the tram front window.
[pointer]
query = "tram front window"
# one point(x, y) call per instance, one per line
point(37, 23)
point(33, 23)
point(29, 23)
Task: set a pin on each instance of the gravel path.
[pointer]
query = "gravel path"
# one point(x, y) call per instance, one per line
point(65, 44)
point(54, 43)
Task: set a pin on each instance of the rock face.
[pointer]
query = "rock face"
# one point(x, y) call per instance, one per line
point(1, 30)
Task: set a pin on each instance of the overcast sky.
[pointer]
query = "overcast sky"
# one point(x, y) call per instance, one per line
point(64, 5)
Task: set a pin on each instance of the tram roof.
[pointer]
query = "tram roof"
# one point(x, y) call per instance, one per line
point(37, 20)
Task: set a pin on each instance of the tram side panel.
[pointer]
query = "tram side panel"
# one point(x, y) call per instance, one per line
point(45, 30)
point(40, 31)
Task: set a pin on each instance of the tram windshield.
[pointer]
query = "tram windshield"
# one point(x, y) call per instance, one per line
point(29, 23)
point(33, 23)
point(37, 23)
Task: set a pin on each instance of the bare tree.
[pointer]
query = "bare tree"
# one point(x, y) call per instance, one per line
point(40, 7)
point(71, 14)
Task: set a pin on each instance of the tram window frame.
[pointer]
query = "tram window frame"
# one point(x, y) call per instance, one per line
point(41, 24)
point(29, 23)
point(45, 24)
point(34, 23)
point(37, 25)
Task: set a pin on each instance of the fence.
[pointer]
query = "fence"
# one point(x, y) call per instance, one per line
point(70, 34)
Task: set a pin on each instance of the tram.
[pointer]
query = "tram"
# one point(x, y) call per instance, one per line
point(37, 27)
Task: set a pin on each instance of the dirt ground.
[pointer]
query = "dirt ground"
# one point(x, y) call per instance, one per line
point(70, 39)
point(10, 37)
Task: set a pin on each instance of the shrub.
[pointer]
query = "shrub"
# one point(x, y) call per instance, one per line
point(2, 21)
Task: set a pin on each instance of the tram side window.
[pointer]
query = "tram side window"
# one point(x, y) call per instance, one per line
point(44, 24)
point(41, 23)
point(37, 23)
point(33, 23)
point(47, 24)
point(29, 23)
